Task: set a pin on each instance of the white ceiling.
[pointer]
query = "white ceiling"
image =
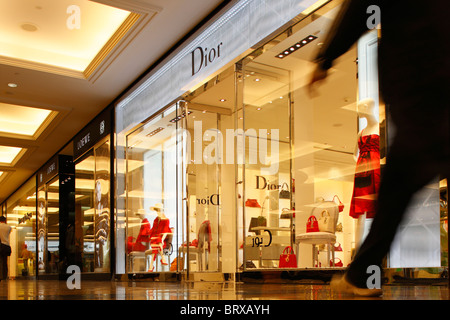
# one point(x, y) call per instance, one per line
point(77, 94)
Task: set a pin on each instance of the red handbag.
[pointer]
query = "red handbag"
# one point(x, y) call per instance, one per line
point(288, 259)
point(312, 225)
point(340, 205)
point(336, 264)
point(252, 203)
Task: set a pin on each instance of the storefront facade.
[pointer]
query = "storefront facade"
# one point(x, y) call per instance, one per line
point(217, 161)
point(224, 147)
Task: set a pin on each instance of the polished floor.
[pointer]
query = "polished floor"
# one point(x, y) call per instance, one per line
point(195, 291)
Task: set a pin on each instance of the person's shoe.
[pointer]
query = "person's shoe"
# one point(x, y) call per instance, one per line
point(340, 284)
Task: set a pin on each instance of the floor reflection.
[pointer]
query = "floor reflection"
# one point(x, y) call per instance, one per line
point(173, 290)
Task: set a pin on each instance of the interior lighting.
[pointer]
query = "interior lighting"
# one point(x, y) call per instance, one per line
point(296, 46)
point(183, 115)
point(151, 134)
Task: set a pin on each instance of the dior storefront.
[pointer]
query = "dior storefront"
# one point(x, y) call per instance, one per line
point(224, 163)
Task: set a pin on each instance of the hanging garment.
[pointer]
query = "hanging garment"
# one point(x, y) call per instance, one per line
point(367, 177)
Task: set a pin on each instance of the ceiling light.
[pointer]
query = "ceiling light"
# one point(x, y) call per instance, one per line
point(30, 27)
point(183, 115)
point(8, 154)
point(223, 100)
point(257, 79)
point(12, 85)
point(151, 134)
point(258, 109)
point(296, 46)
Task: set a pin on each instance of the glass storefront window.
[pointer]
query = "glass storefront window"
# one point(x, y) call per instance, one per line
point(315, 142)
point(154, 194)
point(21, 215)
point(92, 209)
point(289, 159)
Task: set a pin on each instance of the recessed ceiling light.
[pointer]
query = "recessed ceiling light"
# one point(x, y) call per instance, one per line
point(257, 79)
point(258, 109)
point(12, 85)
point(296, 46)
point(223, 100)
point(30, 27)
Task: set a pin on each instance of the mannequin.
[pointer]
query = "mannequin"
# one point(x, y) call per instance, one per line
point(367, 176)
point(143, 238)
point(159, 233)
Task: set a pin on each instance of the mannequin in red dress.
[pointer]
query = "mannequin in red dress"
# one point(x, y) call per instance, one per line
point(159, 233)
point(367, 177)
point(143, 238)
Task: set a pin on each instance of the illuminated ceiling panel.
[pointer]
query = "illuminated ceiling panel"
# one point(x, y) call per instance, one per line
point(8, 155)
point(21, 120)
point(67, 34)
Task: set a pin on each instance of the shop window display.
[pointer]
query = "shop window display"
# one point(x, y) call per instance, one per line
point(329, 164)
point(153, 231)
point(92, 222)
point(21, 215)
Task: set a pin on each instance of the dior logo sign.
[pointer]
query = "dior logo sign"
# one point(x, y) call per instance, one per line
point(202, 56)
point(211, 200)
point(263, 183)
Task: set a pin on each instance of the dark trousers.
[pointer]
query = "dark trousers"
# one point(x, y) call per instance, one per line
point(418, 154)
point(3, 267)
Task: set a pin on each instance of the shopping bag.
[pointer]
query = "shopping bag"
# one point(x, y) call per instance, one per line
point(288, 259)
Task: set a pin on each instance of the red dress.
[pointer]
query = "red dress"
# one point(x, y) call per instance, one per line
point(367, 177)
point(160, 227)
point(143, 236)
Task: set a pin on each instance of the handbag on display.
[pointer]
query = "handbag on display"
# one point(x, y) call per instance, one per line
point(326, 222)
point(288, 259)
point(336, 264)
point(285, 193)
point(337, 247)
point(340, 205)
point(252, 203)
point(312, 225)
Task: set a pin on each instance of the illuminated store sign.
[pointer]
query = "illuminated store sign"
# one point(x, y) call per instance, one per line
point(233, 34)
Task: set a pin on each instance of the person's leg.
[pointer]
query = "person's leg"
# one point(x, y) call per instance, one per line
point(396, 190)
point(417, 155)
